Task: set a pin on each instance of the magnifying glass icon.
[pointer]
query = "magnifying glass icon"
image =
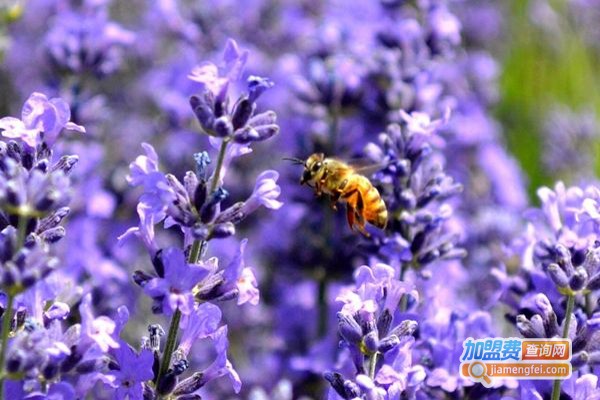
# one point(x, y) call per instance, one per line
point(478, 371)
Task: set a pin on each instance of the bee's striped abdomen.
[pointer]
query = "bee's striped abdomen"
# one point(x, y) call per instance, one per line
point(375, 209)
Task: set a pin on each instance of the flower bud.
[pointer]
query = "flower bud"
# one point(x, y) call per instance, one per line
point(223, 127)
point(349, 329)
point(72, 360)
point(65, 164)
point(417, 242)
point(180, 366)
point(50, 370)
point(594, 282)
point(257, 86)
point(209, 209)
point(242, 112)
point(249, 133)
point(57, 310)
point(352, 389)
point(337, 383)
point(384, 322)
point(222, 231)
point(190, 385)
point(265, 118)
point(371, 342)
point(388, 343)
point(580, 359)
point(233, 214)
point(203, 112)
point(15, 361)
point(578, 279)
point(558, 276)
point(526, 328)
point(405, 328)
point(53, 235)
point(91, 365)
point(141, 278)
point(158, 265)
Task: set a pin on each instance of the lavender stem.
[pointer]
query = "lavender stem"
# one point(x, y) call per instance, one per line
point(566, 324)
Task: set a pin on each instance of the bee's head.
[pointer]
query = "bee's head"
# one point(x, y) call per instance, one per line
point(312, 168)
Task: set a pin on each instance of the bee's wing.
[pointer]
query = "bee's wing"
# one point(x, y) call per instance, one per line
point(365, 167)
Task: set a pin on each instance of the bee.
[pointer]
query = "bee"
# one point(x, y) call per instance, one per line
point(343, 183)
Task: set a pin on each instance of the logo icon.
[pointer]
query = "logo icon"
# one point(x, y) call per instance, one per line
point(483, 360)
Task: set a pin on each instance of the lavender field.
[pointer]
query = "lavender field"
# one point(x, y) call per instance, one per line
point(297, 199)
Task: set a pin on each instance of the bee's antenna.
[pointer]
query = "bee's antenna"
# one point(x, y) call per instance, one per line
point(295, 160)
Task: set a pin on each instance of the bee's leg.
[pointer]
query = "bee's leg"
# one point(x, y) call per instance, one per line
point(318, 190)
point(350, 213)
point(320, 183)
point(351, 198)
point(361, 226)
point(335, 197)
point(338, 193)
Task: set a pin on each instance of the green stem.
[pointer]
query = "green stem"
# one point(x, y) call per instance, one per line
point(170, 346)
point(195, 252)
point(372, 365)
point(566, 324)
point(568, 315)
point(6, 321)
point(21, 230)
point(220, 158)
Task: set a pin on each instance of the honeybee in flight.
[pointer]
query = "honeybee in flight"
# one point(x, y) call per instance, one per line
point(345, 184)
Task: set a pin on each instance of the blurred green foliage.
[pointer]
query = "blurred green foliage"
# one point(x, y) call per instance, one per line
point(541, 69)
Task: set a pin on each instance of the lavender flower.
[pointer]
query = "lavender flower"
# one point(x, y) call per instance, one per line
point(131, 371)
point(239, 124)
point(415, 191)
point(366, 325)
point(172, 290)
point(186, 281)
point(42, 120)
point(85, 40)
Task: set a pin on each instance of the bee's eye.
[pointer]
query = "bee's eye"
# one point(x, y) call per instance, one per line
point(316, 166)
